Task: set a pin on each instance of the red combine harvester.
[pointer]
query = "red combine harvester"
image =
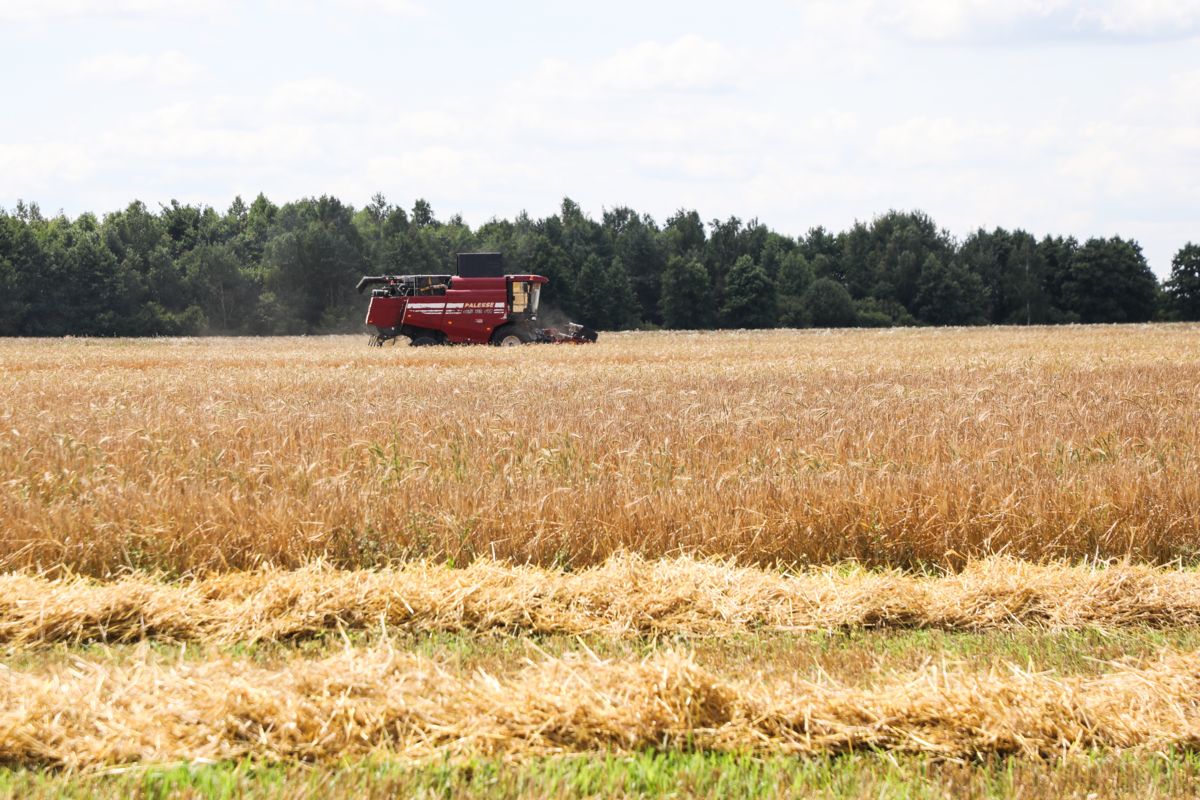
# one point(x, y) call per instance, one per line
point(479, 305)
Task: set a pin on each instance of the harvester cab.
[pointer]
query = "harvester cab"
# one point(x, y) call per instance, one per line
point(480, 305)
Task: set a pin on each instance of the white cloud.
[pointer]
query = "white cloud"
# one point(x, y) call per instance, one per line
point(26, 167)
point(953, 19)
point(690, 63)
point(1101, 165)
point(950, 21)
point(429, 125)
point(466, 169)
point(402, 8)
point(298, 123)
point(1176, 101)
point(685, 65)
point(697, 165)
point(49, 10)
point(1124, 161)
point(315, 98)
point(227, 130)
point(163, 69)
point(1143, 18)
point(947, 141)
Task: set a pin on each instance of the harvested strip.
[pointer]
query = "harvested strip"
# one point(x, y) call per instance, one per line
point(625, 595)
point(380, 700)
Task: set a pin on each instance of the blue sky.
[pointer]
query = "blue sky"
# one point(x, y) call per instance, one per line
point(1059, 116)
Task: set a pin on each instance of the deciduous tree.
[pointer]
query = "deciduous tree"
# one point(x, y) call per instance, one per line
point(827, 304)
point(749, 297)
point(1183, 287)
point(686, 300)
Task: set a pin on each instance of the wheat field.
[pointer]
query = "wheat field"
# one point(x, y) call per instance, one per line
point(970, 545)
point(891, 448)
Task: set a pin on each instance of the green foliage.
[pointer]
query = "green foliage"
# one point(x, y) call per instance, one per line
point(531, 252)
point(885, 259)
point(12, 307)
point(870, 314)
point(795, 274)
point(827, 304)
point(422, 214)
point(1183, 287)
point(591, 287)
point(686, 294)
point(774, 251)
point(1108, 280)
point(749, 297)
point(947, 294)
point(313, 263)
point(259, 268)
point(640, 249)
point(1013, 269)
point(728, 241)
point(791, 310)
point(622, 305)
point(16, 276)
point(606, 298)
point(684, 234)
point(223, 291)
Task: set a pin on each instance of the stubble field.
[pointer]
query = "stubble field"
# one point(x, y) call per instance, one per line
point(862, 563)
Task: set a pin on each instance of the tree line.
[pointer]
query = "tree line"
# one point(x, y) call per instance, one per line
point(260, 268)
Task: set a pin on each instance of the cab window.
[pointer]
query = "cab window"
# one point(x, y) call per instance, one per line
point(520, 297)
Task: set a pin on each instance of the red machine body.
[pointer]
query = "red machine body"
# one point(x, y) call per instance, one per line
point(452, 309)
point(468, 310)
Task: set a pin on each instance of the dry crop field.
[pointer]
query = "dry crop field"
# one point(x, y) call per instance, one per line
point(862, 563)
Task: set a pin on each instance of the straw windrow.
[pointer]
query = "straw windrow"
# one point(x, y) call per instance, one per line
point(361, 702)
point(627, 595)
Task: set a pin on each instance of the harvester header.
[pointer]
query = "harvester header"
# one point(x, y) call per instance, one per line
point(480, 305)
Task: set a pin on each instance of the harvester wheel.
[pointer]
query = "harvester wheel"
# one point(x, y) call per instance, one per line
point(423, 341)
point(511, 336)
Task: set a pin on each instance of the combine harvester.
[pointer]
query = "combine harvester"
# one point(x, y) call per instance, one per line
point(479, 305)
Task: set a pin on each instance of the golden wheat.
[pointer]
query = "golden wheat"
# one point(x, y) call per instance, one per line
point(889, 447)
point(626, 595)
point(362, 702)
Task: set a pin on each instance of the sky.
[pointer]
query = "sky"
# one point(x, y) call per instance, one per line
point(1072, 117)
